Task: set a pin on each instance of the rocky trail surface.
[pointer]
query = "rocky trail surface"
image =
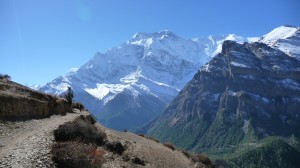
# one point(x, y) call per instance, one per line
point(28, 143)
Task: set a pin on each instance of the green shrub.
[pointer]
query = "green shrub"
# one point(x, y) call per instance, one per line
point(76, 154)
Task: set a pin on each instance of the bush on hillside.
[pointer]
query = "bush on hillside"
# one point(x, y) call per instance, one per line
point(199, 158)
point(204, 159)
point(115, 147)
point(169, 145)
point(80, 129)
point(5, 76)
point(93, 119)
point(137, 160)
point(152, 139)
point(76, 154)
point(185, 153)
point(78, 106)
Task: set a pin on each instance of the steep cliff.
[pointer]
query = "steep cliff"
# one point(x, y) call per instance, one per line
point(245, 94)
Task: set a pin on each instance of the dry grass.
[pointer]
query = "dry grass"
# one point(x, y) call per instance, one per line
point(77, 154)
point(77, 144)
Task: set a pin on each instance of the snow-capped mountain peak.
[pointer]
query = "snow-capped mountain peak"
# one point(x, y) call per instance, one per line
point(286, 39)
point(156, 35)
point(282, 32)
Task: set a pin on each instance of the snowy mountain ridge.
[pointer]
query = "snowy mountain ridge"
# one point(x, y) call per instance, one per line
point(132, 58)
point(150, 66)
point(284, 38)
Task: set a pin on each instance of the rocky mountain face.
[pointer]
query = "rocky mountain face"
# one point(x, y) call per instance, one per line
point(247, 93)
point(130, 85)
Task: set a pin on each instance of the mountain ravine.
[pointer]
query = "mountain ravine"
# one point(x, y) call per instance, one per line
point(244, 98)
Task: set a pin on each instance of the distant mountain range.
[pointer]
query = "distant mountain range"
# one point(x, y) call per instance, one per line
point(130, 85)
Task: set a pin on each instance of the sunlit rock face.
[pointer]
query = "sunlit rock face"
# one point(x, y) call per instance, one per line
point(248, 90)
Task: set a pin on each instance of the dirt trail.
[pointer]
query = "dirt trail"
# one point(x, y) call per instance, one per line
point(28, 143)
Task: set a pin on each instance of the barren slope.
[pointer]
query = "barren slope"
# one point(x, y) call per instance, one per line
point(152, 153)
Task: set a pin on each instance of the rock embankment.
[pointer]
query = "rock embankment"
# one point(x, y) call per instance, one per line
point(18, 102)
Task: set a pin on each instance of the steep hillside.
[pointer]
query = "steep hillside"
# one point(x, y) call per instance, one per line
point(274, 153)
point(246, 93)
point(20, 102)
point(130, 85)
point(149, 152)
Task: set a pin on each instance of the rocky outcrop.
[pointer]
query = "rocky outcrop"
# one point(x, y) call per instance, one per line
point(19, 102)
point(248, 91)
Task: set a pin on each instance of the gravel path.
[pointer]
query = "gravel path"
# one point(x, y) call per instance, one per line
point(28, 143)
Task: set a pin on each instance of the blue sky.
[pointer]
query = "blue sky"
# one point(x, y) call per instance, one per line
point(42, 39)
